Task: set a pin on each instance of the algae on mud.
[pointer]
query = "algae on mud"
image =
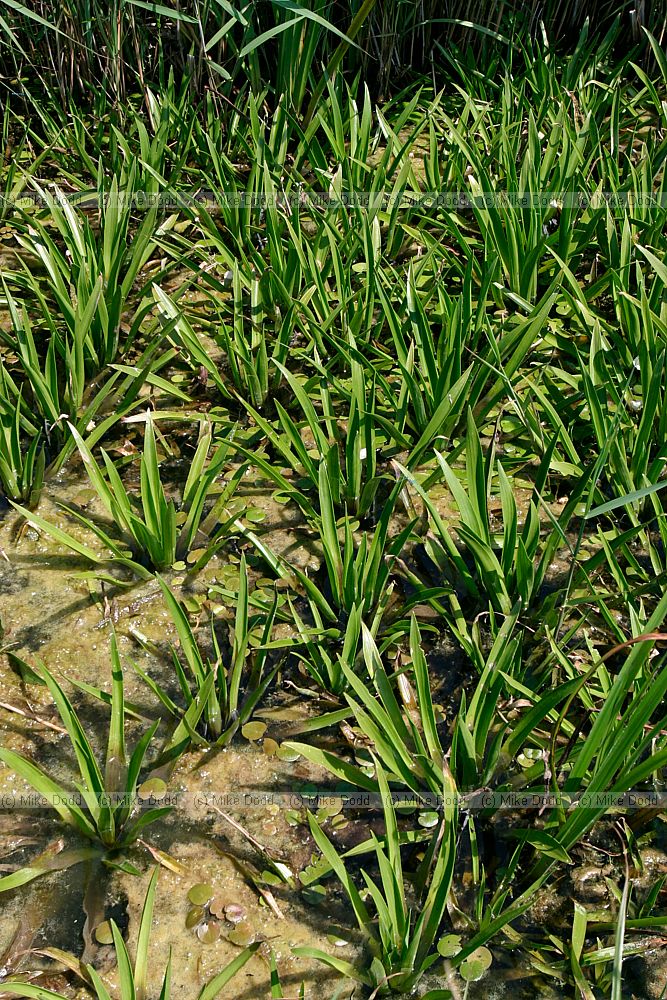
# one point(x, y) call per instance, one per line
point(73, 640)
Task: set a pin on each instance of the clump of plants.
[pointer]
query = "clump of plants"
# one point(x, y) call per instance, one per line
point(103, 804)
point(219, 693)
point(154, 532)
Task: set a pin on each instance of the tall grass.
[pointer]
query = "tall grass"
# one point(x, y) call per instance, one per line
point(82, 47)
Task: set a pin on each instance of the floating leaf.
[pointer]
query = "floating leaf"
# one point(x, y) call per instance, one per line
point(195, 916)
point(200, 893)
point(449, 945)
point(103, 933)
point(210, 932)
point(84, 497)
point(242, 935)
point(255, 515)
point(253, 730)
point(476, 964)
point(154, 788)
point(217, 907)
point(234, 913)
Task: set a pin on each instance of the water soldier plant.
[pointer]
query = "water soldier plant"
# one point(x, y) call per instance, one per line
point(103, 805)
point(354, 318)
point(218, 698)
point(403, 944)
point(91, 279)
point(154, 535)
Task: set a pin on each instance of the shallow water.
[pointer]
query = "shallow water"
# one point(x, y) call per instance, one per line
point(48, 612)
point(65, 621)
